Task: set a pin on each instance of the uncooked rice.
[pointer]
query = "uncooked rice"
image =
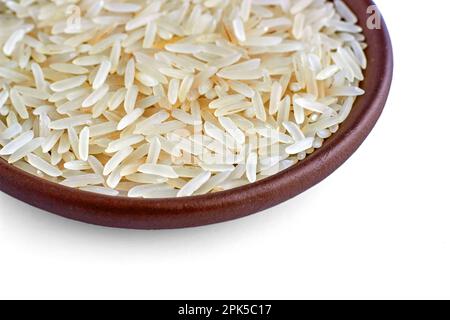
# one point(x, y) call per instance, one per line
point(173, 98)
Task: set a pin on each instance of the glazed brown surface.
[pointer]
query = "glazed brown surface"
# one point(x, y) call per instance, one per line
point(227, 205)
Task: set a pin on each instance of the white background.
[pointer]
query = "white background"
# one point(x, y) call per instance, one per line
point(377, 228)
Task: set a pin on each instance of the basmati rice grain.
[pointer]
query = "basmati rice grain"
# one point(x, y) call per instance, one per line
point(213, 182)
point(4, 95)
point(195, 184)
point(130, 72)
point(252, 162)
point(101, 190)
point(38, 76)
point(117, 99)
point(239, 29)
point(68, 84)
point(102, 74)
point(96, 165)
point(84, 144)
point(126, 141)
point(114, 56)
point(130, 118)
point(154, 151)
point(275, 97)
point(327, 72)
point(311, 105)
point(284, 110)
point(150, 34)
point(17, 143)
point(88, 61)
point(232, 129)
point(10, 132)
point(300, 146)
point(84, 180)
point(258, 104)
point(246, 7)
point(149, 191)
point(118, 7)
point(18, 104)
point(13, 40)
point(183, 48)
point(185, 87)
point(130, 98)
point(25, 150)
point(159, 170)
point(95, 96)
point(68, 68)
point(345, 12)
point(265, 41)
point(294, 130)
point(43, 165)
point(12, 75)
point(241, 74)
point(242, 88)
point(116, 160)
point(346, 91)
point(51, 140)
point(174, 87)
point(76, 165)
point(299, 113)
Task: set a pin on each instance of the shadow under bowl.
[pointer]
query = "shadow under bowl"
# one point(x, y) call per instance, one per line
point(133, 213)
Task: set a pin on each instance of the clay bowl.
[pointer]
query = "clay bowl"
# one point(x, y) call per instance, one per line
point(202, 210)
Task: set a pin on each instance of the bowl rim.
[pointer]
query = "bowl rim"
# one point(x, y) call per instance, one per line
point(168, 213)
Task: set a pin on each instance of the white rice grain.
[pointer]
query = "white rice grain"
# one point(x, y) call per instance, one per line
point(18, 104)
point(17, 143)
point(43, 165)
point(68, 84)
point(195, 184)
point(115, 160)
point(82, 180)
point(251, 166)
point(84, 144)
point(102, 74)
point(130, 118)
point(25, 150)
point(130, 98)
point(95, 96)
point(159, 170)
point(300, 146)
point(119, 7)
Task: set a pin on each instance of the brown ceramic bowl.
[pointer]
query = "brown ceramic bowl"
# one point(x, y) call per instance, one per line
point(202, 210)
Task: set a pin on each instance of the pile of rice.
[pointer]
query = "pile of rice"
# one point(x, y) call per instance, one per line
point(172, 98)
